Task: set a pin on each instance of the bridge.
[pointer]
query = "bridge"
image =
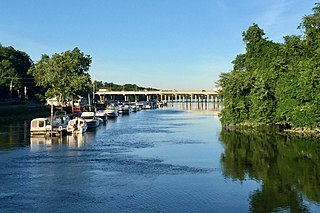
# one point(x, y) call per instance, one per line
point(160, 95)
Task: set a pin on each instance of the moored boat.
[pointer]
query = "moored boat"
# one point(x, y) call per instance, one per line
point(102, 114)
point(91, 119)
point(134, 107)
point(112, 111)
point(124, 108)
point(77, 126)
point(42, 126)
point(60, 120)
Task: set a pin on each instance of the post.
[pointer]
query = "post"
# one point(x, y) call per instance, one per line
point(11, 86)
point(25, 93)
point(89, 102)
point(51, 118)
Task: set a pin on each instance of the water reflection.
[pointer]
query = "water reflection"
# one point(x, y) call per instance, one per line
point(71, 141)
point(195, 106)
point(289, 169)
point(14, 135)
point(76, 141)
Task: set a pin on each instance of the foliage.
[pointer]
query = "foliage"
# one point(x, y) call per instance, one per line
point(275, 83)
point(64, 75)
point(117, 87)
point(14, 65)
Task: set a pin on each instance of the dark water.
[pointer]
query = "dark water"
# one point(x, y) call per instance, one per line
point(158, 161)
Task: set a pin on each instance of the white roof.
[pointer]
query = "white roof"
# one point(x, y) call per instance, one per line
point(87, 114)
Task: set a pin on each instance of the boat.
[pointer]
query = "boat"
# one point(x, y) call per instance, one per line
point(134, 107)
point(91, 119)
point(42, 126)
point(60, 119)
point(112, 111)
point(146, 105)
point(77, 126)
point(125, 108)
point(102, 114)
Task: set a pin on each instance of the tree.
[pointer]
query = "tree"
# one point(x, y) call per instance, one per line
point(274, 83)
point(14, 65)
point(63, 75)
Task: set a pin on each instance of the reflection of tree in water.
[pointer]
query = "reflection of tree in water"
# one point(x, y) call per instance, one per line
point(289, 169)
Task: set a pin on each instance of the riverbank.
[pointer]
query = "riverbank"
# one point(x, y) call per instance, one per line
point(13, 111)
point(257, 128)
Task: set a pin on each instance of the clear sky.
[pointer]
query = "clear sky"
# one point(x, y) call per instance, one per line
point(165, 44)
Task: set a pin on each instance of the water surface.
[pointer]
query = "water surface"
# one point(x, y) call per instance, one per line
point(165, 160)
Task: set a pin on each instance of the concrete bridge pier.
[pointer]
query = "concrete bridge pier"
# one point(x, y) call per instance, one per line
point(216, 99)
point(102, 98)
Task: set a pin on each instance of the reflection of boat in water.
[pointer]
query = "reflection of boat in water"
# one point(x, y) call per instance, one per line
point(77, 126)
point(41, 141)
point(38, 141)
point(76, 140)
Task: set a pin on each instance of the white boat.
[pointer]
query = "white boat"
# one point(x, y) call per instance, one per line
point(102, 114)
point(124, 109)
point(91, 119)
point(112, 111)
point(60, 119)
point(42, 126)
point(77, 126)
point(146, 105)
point(134, 107)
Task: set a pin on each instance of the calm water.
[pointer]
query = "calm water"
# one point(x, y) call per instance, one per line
point(165, 160)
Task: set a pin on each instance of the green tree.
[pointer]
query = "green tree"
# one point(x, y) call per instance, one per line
point(63, 75)
point(275, 83)
point(14, 65)
point(8, 74)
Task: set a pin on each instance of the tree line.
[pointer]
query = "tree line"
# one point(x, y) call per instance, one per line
point(275, 83)
point(63, 76)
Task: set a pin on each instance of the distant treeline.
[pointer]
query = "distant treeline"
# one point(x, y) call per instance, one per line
point(275, 83)
point(62, 75)
point(117, 87)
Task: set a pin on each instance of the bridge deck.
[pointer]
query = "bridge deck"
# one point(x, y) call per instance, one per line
point(159, 92)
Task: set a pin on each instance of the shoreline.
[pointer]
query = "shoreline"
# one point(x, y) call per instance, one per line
point(303, 132)
point(19, 112)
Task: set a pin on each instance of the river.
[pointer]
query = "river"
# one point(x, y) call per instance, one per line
point(164, 160)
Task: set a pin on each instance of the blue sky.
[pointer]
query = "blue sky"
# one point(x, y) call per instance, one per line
point(166, 44)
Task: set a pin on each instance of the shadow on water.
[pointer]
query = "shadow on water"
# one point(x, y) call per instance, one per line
point(288, 168)
point(13, 135)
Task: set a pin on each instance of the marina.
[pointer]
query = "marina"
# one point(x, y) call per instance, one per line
point(171, 159)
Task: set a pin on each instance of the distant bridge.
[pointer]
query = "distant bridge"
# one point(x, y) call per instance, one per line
point(161, 95)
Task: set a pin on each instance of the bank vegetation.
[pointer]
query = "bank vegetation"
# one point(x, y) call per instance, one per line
point(275, 84)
